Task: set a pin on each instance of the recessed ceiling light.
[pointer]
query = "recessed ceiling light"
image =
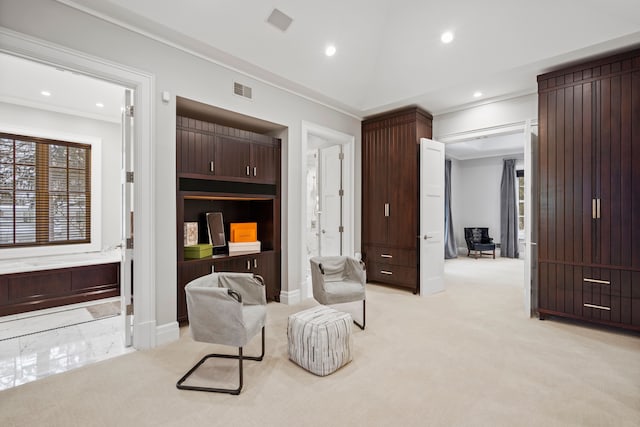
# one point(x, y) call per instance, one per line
point(99, 104)
point(446, 37)
point(330, 50)
point(477, 94)
point(45, 93)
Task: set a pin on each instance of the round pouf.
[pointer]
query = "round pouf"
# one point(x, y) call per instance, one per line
point(320, 339)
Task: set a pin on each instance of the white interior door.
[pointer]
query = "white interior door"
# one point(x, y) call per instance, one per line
point(530, 252)
point(330, 209)
point(431, 216)
point(126, 267)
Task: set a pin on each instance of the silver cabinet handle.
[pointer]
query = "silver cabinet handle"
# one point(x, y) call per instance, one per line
point(211, 165)
point(386, 256)
point(389, 273)
point(598, 209)
point(599, 307)
point(602, 282)
point(248, 173)
point(255, 171)
point(255, 263)
point(593, 208)
point(248, 265)
point(386, 209)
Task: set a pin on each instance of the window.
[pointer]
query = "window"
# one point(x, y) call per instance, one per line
point(520, 176)
point(45, 191)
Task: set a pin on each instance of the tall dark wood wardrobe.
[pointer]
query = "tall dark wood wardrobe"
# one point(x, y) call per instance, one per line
point(589, 192)
point(390, 195)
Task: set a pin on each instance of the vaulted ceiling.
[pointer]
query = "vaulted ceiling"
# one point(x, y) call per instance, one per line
point(389, 52)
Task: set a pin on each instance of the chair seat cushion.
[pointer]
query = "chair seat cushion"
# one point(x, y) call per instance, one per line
point(343, 291)
point(484, 246)
point(320, 339)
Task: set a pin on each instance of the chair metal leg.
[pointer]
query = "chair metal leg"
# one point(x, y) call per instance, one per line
point(364, 316)
point(240, 357)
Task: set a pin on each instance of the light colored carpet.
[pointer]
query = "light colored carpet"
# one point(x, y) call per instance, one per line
point(466, 356)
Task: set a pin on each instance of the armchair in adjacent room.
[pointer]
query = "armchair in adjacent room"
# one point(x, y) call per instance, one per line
point(339, 279)
point(479, 242)
point(228, 309)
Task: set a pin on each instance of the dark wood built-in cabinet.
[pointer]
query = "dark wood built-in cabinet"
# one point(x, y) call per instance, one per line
point(390, 195)
point(589, 198)
point(236, 172)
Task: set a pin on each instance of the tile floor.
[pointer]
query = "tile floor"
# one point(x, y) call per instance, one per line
point(69, 339)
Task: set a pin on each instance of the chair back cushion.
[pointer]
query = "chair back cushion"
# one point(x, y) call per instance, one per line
point(217, 317)
point(337, 279)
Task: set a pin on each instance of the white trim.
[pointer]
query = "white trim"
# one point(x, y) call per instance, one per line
point(195, 53)
point(143, 83)
point(58, 109)
point(348, 144)
point(167, 333)
point(290, 297)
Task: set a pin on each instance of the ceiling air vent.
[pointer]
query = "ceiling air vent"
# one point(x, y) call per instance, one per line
point(279, 20)
point(242, 90)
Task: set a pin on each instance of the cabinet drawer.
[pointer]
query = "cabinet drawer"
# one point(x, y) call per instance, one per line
point(394, 274)
point(393, 256)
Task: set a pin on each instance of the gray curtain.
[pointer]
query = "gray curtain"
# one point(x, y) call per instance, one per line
point(450, 249)
point(508, 211)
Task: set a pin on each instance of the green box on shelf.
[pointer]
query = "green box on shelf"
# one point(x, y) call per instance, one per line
point(201, 250)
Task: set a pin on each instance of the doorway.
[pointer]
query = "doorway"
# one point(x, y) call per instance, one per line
point(475, 175)
point(328, 196)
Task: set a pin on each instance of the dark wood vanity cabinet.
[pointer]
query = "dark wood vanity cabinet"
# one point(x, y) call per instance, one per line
point(236, 172)
point(390, 195)
point(589, 191)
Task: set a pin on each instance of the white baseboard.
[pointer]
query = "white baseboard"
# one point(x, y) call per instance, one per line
point(290, 297)
point(167, 333)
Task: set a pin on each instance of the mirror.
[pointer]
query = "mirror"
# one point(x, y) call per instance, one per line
point(216, 229)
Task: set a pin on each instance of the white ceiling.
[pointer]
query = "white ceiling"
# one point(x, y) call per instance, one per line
point(389, 52)
point(22, 81)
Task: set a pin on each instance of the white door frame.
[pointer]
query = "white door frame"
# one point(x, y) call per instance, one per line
point(142, 83)
point(348, 145)
point(525, 128)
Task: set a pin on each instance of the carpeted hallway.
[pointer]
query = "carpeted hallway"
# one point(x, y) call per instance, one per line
point(466, 356)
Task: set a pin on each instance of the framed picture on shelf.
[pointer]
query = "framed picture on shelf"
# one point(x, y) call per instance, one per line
point(190, 233)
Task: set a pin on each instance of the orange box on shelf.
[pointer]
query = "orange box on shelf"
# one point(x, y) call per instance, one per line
point(244, 231)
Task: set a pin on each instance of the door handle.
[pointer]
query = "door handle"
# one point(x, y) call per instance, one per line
point(386, 209)
point(255, 171)
point(248, 173)
point(593, 208)
point(598, 209)
point(211, 165)
point(427, 237)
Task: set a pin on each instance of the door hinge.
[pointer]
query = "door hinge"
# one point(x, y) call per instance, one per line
point(129, 309)
point(130, 177)
point(129, 110)
point(341, 229)
point(341, 193)
point(341, 156)
point(129, 242)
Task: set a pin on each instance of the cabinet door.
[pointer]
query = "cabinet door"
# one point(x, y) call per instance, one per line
point(196, 152)
point(375, 152)
point(265, 160)
point(617, 228)
point(566, 169)
point(233, 157)
point(402, 155)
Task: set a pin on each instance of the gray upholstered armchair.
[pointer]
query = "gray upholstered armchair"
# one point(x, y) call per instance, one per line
point(228, 309)
point(339, 279)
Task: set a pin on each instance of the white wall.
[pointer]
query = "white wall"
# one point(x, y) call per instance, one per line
point(486, 119)
point(475, 192)
point(51, 123)
point(183, 74)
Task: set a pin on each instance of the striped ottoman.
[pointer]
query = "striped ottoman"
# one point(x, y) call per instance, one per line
point(320, 339)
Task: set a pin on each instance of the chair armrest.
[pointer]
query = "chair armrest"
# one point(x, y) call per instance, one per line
point(250, 287)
